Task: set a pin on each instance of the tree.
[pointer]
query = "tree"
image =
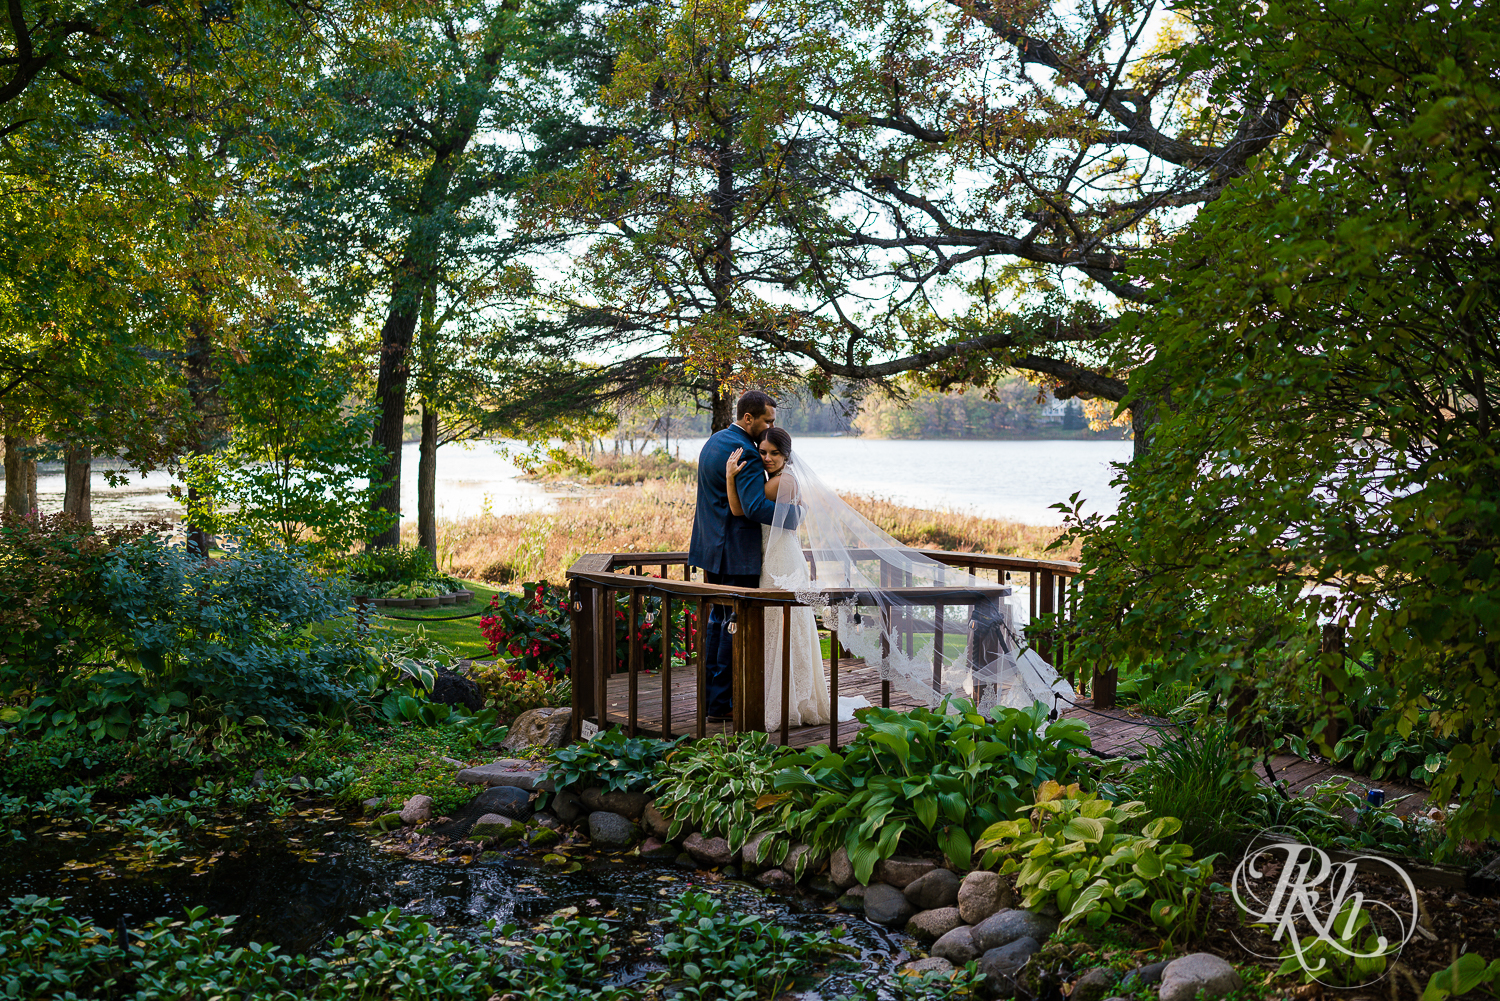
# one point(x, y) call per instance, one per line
point(439, 113)
point(1326, 346)
point(711, 206)
point(298, 468)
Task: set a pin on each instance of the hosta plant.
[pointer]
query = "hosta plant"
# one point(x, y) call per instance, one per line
point(924, 780)
point(721, 785)
point(1082, 853)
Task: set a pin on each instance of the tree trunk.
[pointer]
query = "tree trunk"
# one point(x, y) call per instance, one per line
point(203, 389)
point(390, 397)
point(17, 498)
point(723, 410)
point(31, 485)
point(427, 484)
point(1142, 428)
point(78, 464)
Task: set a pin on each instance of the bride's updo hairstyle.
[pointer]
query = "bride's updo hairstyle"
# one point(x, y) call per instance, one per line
point(783, 442)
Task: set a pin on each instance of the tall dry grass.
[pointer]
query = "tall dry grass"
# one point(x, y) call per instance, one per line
point(657, 516)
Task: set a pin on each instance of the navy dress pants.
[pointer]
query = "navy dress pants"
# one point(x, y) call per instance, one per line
point(719, 653)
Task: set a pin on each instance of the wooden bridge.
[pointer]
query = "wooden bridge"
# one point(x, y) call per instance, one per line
point(653, 695)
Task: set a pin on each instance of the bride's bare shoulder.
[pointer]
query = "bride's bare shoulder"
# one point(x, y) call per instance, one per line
point(783, 487)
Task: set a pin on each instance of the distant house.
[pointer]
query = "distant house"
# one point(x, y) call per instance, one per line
point(1052, 410)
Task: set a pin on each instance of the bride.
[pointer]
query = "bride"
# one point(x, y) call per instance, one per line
point(929, 649)
point(782, 560)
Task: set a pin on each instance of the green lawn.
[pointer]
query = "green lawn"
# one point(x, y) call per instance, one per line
point(461, 635)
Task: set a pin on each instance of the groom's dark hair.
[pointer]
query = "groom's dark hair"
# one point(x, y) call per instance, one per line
point(753, 403)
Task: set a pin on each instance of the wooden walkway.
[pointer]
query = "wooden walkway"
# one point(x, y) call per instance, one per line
point(1117, 732)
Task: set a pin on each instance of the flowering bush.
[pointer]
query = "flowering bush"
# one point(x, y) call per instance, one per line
point(649, 625)
point(532, 628)
point(511, 690)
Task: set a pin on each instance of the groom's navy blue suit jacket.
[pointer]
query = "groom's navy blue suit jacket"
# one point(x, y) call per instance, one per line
point(726, 543)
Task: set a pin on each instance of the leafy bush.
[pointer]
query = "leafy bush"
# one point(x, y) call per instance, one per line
point(390, 955)
point(650, 627)
point(1077, 851)
point(1202, 777)
point(1334, 814)
point(1460, 977)
point(611, 761)
point(924, 780)
point(233, 632)
point(534, 627)
point(721, 784)
point(54, 617)
point(511, 691)
point(734, 957)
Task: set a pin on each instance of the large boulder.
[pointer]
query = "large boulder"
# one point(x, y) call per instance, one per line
point(505, 772)
point(539, 728)
point(809, 859)
point(1007, 926)
point(655, 822)
point(416, 810)
point(886, 905)
point(901, 870)
point(840, 869)
point(567, 806)
point(610, 830)
point(1185, 977)
point(630, 804)
point(957, 946)
point(1095, 984)
point(454, 689)
point(775, 879)
point(938, 888)
point(1148, 974)
point(1001, 967)
point(709, 852)
point(750, 851)
point(982, 894)
point(507, 801)
point(931, 925)
point(492, 825)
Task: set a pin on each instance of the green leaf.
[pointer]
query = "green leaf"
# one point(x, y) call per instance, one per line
point(1086, 829)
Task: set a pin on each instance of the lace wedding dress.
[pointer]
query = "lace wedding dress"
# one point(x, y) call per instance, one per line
point(782, 559)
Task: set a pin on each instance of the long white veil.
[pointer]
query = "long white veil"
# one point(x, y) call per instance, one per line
point(895, 620)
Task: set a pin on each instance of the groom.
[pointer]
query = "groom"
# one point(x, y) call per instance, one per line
point(726, 545)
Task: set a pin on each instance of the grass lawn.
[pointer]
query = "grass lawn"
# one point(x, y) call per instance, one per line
point(460, 635)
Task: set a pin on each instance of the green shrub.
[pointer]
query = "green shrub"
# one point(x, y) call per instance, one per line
point(1077, 851)
point(534, 628)
point(1202, 777)
point(611, 761)
point(925, 780)
point(721, 785)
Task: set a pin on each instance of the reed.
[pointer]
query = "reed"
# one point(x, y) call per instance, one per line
point(657, 515)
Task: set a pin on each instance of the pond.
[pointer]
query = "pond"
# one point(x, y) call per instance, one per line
point(301, 881)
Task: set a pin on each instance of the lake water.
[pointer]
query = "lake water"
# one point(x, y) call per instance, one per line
point(1014, 480)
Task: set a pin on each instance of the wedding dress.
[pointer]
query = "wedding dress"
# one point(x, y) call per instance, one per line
point(901, 601)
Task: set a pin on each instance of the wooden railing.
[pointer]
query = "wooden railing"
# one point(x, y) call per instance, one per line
point(595, 581)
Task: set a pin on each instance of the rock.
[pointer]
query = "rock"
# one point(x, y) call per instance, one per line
point(982, 894)
point(931, 925)
point(1149, 974)
point(750, 850)
point(731, 872)
point(504, 773)
point(776, 879)
point(811, 861)
point(684, 861)
point(540, 728)
point(1005, 927)
point(655, 822)
point(259, 778)
point(850, 903)
point(547, 820)
point(709, 852)
point(543, 837)
point(629, 804)
point(840, 869)
point(857, 891)
point(938, 888)
point(508, 801)
point(886, 905)
point(656, 848)
point(386, 821)
point(416, 810)
point(454, 689)
point(957, 946)
point(1095, 985)
point(932, 964)
point(1186, 976)
point(823, 887)
point(900, 870)
point(1001, 966)
point(491, 825)
point(567, 806)
point(610, 830)
point(373, 805)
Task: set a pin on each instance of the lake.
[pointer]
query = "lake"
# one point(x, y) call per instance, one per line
point(1014, 480)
